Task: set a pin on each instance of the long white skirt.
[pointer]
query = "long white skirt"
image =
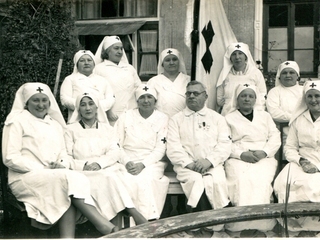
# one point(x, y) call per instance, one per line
point(46, 193)
point(108, 191)
point(250, 183)
point(148, 189)
point(304, 187)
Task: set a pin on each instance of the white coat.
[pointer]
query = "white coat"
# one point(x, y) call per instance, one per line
point(303, 141)
point(200, 135)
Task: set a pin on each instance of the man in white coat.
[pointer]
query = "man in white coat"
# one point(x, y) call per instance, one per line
point(198, 144)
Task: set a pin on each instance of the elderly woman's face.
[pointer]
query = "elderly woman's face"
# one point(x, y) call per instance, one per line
point(171, 63)
point(313, 100)
point(38, 105)
point(146, 102)
point(85, 65)
point(115, 52)
point(288, 77)
point(238, 60)
point(87, 108)
point(246, 100)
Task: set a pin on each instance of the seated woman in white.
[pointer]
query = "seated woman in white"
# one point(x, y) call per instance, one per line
point(92, 142)
point(251, 167)
point(142, 137)
point(302, 150)
point(171, 82)
point(34, 150)
point(84, 80)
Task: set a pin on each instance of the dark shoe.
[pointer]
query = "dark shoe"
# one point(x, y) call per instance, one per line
point(229, 205)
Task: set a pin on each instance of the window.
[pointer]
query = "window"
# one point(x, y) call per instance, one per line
point(134, 21)
point(291, 33)
point(97, 9)
point(148, 51)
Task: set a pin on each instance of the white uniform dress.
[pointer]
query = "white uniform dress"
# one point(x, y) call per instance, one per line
point(99, 144)
point(123, 79)
point(303, 141)
point(200, 135)
point(251, 76)
point(31, 144)
point(143, 140)
point(251, 183)
point(171, 94)
point(77, 83)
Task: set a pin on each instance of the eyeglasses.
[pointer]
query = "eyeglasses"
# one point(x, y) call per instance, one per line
point(196, 94)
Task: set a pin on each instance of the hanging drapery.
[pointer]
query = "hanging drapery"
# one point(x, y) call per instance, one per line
point(148, 45)
point(215, 34)
point(140, 8)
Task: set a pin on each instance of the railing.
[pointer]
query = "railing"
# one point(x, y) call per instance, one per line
point(167, 226)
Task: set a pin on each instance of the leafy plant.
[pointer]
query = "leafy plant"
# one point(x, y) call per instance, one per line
point(35, 34)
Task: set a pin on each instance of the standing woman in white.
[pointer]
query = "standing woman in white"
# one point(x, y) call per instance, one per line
point(238, 68)
point(112, 64)
point(84, 80)
point(171, 82)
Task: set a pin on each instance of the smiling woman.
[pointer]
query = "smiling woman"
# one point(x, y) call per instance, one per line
point(39, 176)
point(38, 105)
point(302, 152)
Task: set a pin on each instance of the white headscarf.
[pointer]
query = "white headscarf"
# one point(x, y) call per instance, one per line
point(107, 42)
point(301, 106)
point(76, 116)
point(145, 89)
point(238, 90)
point(171, 51)
point(78, 55)
point(286, 64)
point(24, 93)
point(227, 64)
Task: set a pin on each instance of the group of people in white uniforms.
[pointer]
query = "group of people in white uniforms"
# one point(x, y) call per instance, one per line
point(209, 175)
